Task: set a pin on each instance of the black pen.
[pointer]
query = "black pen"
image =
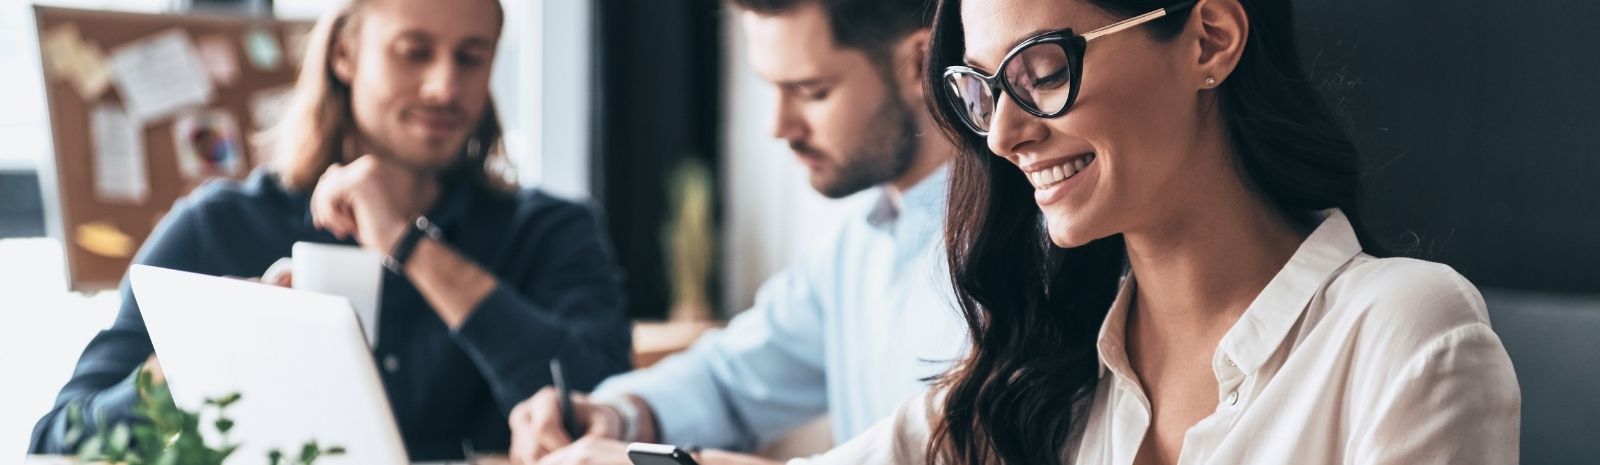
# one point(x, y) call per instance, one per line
point(569, 420)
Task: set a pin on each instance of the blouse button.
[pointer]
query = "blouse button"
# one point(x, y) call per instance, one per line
point(391, 364)
point(1233, 397)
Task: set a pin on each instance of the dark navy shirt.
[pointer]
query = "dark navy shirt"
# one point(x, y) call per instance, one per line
point(558, 294)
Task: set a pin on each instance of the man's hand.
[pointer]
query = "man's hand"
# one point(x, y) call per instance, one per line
point(280, 274)
point(371, 200)
point(152, 365)
point(536, 430)
point(591, 450)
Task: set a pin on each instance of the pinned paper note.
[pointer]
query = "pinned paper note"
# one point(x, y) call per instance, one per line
point(267, 106)
point(160, 75)
point(104, 239)
point(119, 165)
point(208, 144)
point(262, 47)
point(81, 63)
point(216, 52)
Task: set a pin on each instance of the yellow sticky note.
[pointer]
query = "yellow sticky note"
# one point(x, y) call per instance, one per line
point(104, 239)
point(81, 63)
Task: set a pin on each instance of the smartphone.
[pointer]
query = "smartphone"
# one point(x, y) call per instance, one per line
point(658, 454)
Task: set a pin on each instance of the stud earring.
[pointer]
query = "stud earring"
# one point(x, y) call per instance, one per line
point(1211, 81)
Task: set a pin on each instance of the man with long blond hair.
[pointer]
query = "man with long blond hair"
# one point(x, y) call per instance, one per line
point(392, 144)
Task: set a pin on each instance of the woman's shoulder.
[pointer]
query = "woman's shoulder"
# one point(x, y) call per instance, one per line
point(1405, 305)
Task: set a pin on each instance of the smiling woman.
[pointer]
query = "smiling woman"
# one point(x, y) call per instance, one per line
point(1156, 241)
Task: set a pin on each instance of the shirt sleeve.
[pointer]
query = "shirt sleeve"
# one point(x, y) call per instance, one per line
point(1440, 388)
point(898, 440)
point(1457, 401)
point(744, 386)
point(568, 306)
point(102, 384)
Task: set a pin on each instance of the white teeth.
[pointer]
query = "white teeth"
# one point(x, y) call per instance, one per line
point(1047, 177)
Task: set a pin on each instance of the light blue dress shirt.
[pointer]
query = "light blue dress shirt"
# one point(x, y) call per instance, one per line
point(852, 329)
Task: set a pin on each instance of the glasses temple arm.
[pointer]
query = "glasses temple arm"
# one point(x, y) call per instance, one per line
point(1135, 21)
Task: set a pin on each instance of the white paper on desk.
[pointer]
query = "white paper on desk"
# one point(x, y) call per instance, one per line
point(119, 166)
point(343, 270)
point(160, 75)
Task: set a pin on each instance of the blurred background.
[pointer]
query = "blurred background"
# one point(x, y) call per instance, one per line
point(1477, 121)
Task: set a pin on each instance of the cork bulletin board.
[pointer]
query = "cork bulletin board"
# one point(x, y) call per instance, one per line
point(145, 107)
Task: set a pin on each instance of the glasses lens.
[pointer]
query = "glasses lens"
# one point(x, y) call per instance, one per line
point(1040, 76)
point(972, 96)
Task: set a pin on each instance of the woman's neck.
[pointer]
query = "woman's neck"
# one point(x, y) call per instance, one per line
point(1199, 269)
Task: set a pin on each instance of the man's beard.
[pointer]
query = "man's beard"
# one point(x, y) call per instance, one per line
point(889, 149)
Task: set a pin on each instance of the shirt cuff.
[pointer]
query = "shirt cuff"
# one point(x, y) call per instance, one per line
point(109, 407)
point(684, 403)
point(115, 404)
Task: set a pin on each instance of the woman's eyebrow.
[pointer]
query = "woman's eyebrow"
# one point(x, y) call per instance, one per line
point(972, 63)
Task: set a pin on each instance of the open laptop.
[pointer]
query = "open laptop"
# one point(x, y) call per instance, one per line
point(297, 358)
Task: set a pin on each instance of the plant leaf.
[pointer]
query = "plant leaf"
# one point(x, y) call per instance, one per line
point(118, 443)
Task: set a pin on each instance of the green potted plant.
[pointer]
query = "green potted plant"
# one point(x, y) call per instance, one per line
point(167, 435)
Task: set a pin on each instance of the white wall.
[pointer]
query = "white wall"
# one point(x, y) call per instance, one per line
point(543, 86)
point(772, 215)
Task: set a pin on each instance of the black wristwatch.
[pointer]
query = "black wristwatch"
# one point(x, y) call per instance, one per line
point(395, 261)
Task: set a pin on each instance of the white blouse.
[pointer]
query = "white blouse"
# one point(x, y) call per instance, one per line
point(1342, 359)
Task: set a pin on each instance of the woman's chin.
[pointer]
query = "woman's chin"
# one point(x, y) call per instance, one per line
point(1066, 234)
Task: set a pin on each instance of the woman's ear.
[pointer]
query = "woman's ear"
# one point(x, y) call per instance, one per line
point(342, 60)
point(1220, 30)
point(908, 59)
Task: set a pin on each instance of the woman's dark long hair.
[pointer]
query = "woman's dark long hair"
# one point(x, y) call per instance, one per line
point(1034, 310)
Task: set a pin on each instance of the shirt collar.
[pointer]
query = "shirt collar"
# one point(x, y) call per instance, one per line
point(1113, 332)
point(924, 200)
point(1266, 322)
